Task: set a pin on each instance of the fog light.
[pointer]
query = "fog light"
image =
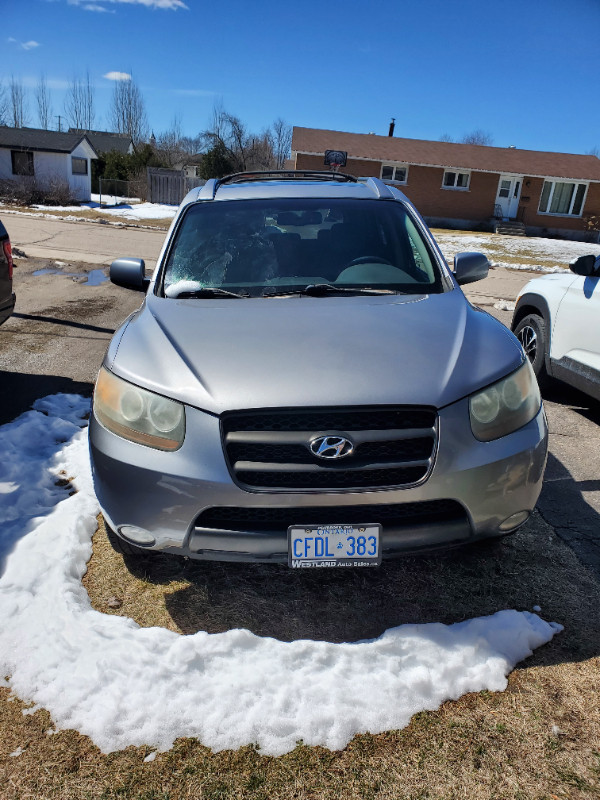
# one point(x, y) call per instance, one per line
point(514, 521)
point(137, 535)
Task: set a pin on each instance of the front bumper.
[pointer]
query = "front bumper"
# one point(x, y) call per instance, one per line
point(166, 493)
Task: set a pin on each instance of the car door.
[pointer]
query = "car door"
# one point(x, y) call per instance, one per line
point(6, 295)
point(575, 348)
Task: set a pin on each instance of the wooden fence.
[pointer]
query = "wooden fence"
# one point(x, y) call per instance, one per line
point(169, 185)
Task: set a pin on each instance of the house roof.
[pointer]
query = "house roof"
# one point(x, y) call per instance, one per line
point(480, 158)
point(37, 139)
point(105, 141)
point(195, 159)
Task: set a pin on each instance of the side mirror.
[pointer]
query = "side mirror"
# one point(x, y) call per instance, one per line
point(129, 273)
point(584, 265)
point(470, 267)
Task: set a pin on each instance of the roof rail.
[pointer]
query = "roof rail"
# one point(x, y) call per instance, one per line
point(208, 191)
point(379, 188)
point(282, 174)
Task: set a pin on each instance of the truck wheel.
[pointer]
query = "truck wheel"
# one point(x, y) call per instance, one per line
point(531, 332)
point(121, 546)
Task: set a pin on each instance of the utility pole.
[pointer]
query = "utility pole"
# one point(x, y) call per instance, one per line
point(58, 116)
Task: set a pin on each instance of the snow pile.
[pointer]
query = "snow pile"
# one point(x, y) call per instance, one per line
point(135, 211)
point(113, 198)
point(505, 305)
point(124, 685)
point(141, 211)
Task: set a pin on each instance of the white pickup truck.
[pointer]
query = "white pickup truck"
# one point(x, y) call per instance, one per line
point(557, 320)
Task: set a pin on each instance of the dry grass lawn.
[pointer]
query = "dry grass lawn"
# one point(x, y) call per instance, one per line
point(539, 739)
point(520, 252)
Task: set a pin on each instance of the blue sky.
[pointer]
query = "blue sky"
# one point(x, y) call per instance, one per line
point(525, 71)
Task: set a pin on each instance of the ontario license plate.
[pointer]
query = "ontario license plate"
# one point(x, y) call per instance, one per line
point(334, 546)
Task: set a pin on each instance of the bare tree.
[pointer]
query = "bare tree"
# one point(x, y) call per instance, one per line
point(594, 151)
point(128, 110)
point(445, 137)
point(478, 137)
point(228, 134)
point(18, 110)
point(170, 143)
point(242, 149)
point(44, 105)
point(191, 144)
point(261, 154)
point(239, 141)
point(4, 105)
point(79, 103)
point(282, 142)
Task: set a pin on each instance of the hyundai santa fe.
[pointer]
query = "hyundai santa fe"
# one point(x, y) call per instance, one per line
point(305, 382)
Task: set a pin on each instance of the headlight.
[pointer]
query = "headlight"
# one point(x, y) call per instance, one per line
point(137, 414)
point(505, 406)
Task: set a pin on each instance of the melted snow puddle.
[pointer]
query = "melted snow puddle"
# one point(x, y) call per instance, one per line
point(123, 685)
point(93, 277)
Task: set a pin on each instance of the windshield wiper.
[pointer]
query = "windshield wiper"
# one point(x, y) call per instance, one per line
point(208, 291)
point(323, 289)
point(317, 289)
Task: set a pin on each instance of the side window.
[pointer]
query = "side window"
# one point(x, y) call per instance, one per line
point(22, 163)
point(79, 166)
point(456, 180)
point(420, 252)
point(391, 173)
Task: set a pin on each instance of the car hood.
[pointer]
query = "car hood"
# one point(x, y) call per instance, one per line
point(221, 355)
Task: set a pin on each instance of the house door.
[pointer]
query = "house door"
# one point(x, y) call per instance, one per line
point(509, 192)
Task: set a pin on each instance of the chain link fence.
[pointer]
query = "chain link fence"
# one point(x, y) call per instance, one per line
point(114, 191)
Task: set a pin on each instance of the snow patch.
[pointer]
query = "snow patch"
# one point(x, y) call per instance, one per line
point(123, 685)
point(135, 210)
point(534, 253)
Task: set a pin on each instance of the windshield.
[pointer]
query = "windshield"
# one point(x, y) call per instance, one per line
point(256, 247)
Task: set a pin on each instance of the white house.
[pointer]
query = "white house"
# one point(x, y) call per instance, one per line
point(48, 157)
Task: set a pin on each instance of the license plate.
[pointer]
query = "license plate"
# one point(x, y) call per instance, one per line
point(334, 546)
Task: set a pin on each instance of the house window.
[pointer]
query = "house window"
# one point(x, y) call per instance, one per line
point(391, 173)
point(79, 166)
point(456, 180)
point(565, 199)
point(22, 163)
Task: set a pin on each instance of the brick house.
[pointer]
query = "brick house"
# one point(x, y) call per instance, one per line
point(471, 186)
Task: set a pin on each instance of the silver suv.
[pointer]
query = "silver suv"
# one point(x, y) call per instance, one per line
point(306, 383)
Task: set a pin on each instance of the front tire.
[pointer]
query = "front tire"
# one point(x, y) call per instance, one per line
point(531, 332)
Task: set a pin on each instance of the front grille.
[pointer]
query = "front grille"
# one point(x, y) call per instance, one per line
point(404, 449)
point(269, 449)
point(269, 518)
point(349, 419)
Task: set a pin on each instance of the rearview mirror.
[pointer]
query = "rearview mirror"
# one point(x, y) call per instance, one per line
point(584, 265)
point(470, 267)
point(129, 273)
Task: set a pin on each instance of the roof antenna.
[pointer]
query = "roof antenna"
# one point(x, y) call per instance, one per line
point(392, 126)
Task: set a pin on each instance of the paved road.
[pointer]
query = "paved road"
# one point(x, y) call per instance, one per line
point(57, 338)
point(92, 242)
